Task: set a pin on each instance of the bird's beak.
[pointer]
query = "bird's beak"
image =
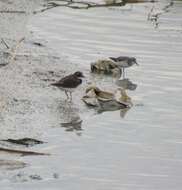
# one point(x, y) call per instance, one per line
point(136, 63)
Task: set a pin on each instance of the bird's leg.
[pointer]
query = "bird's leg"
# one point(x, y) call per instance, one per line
point(66, 95)
point(123, 73)
point(70, 96)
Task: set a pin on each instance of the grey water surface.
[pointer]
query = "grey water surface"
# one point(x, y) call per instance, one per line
point(137, 149)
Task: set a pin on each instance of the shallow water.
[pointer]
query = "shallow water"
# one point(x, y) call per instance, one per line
point(141, 150)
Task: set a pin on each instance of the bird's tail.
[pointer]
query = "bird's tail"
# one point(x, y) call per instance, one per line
point(112, 58)
point(136, 63)
point(54, 84)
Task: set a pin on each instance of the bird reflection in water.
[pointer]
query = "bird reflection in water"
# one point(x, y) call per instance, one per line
point(126, 84)
point(123, 111)
point(71, 120)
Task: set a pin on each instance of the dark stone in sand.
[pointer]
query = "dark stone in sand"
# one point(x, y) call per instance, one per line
point(38, 44)
point(24, 141)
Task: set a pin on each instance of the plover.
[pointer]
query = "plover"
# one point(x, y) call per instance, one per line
point(69, 83)
point(124, 62)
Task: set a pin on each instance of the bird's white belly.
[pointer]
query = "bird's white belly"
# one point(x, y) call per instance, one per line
point(67, 89)
point(123, 64)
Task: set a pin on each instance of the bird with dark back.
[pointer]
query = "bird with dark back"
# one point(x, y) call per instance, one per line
point(69, 83)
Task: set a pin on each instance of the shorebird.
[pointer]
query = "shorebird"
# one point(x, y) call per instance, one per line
point(107, 67)
point(124, 62)
point(69, 83)
point(107, 101)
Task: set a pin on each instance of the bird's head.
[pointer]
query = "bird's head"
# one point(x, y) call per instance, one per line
point(94, 88)
point(133, 61)
point(79, 74)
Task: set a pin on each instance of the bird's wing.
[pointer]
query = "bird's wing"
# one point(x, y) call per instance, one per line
point(118, 59)
point(68, 81)
point(113, 58)
point(122, 58)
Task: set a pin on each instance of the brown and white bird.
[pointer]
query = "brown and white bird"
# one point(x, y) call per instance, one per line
point(69, 83)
